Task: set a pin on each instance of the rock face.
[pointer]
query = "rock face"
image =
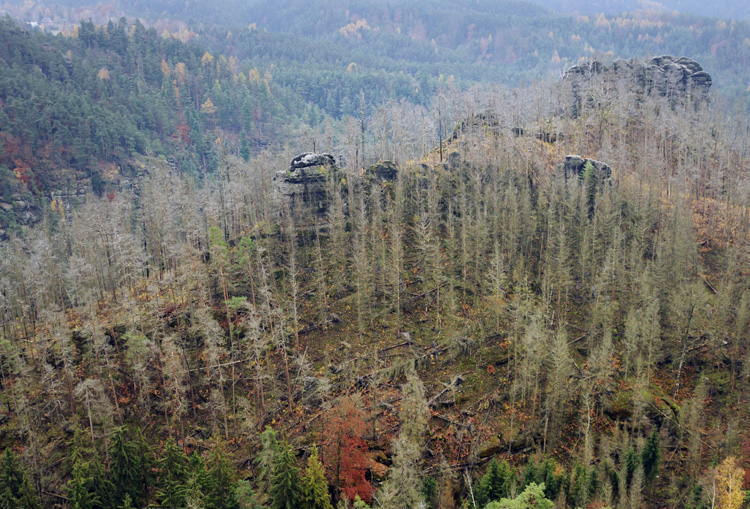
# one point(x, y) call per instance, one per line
point(574, 166)
point(302, 188)
point(19, 211)
point(664, 76)
point(385, 171)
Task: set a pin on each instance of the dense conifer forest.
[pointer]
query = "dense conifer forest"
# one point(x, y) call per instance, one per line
point(308, 263)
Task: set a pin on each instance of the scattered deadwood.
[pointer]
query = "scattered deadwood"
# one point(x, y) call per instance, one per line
point(710, 286)
point(56, 495)
point(332, 318)
point(434, 351)
point(580, 338)
point(408, 342)
point(458, 380)
point(460, 466)
point(452, 422)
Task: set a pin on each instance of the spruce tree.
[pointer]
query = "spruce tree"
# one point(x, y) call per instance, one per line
point(266, 460)
point(246, 497)
point(314, 485)
point(496, 483)
point(650, 457)
point(15, 488)
point(129, 463)
point(532, 497)
point(631, 464)
point(197, 482)
point(221, 477)
point(286, 492)
point(547, 475)
point(89, 485)
point(173, 474)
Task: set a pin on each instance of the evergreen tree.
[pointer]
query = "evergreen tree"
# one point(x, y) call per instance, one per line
point(221, 479)
point(197, 482)
point(359, 503)
point(245, 496)
point(496, 483)
point(286, 492)
point(89, 485)
point(548, 475)
point(130, 466)
point(267, 459)
point(314, 485)
point(15, 488)
point(531, 498)
point(173, 473)
point(578, 495)
point(650, 457)
point(631, 464)
point(430, 491)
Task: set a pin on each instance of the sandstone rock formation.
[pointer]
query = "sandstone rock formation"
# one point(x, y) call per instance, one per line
point(304, 185)
point(385, 171)
point(664, 76)
point(574, 166)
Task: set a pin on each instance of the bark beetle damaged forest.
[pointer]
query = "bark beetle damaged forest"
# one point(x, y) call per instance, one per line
point(353, 255)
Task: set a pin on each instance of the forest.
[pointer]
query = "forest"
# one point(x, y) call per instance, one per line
point(449, 310)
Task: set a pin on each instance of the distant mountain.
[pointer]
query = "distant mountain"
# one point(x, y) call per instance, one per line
point(724, 9)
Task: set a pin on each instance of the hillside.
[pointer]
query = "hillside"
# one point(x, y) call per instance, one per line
point(143, 91)
point(287, 265)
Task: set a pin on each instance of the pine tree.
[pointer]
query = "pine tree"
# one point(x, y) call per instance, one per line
point(286, 492)
point(15, 488)
point(314, 485)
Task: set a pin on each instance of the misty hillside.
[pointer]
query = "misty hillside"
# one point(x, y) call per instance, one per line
point(720, 9)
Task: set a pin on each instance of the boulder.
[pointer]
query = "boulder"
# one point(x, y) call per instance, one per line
point(385, 171)
point(308, 159)
point(498, 444)
point(491, 447)
point(574, 166)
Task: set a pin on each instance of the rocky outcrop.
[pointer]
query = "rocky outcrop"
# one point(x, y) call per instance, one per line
point(18, 211)
point(308, 159)
point(665, 76)
point(480, 122)
point(302, 187)
point(574, 166)
point(384, 171)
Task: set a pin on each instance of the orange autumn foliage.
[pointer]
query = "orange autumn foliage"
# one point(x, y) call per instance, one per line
point(345, 452)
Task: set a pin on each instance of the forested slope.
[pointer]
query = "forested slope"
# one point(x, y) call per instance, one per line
point(80, 107)
point(592, 331)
